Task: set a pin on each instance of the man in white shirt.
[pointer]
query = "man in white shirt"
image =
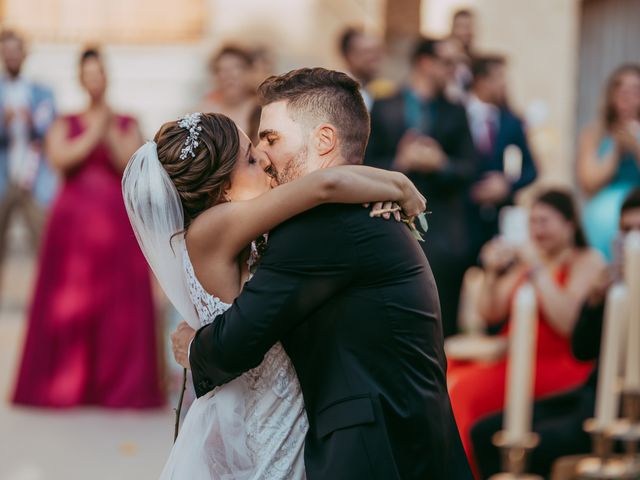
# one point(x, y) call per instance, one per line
point(494, 128)
point(483, 122)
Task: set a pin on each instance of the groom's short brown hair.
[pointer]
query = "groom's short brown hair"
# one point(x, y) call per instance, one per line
point(326, 96)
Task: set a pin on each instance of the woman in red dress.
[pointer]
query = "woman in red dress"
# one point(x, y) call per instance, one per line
point(91, 336)
point(561, 268)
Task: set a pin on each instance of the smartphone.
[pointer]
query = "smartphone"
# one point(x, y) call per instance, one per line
point(514, 225)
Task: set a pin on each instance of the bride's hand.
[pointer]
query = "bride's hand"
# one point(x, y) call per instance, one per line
point(413, 202)
point(180, 341)
point(409, 206)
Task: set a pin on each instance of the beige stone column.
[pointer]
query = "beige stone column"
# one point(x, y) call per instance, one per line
point(402, 18)
point(402, 26)
point(540, 40)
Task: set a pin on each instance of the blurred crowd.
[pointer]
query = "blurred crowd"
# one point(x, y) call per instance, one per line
point(449, 126)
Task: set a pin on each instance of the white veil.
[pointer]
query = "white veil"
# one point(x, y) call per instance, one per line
point(155, 213)
point(213, 439)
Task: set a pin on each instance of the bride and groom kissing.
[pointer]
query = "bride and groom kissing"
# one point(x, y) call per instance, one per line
point(324, 361)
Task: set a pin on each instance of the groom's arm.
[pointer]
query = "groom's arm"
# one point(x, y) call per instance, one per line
point(309, 259)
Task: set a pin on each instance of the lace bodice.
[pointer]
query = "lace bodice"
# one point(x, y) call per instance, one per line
point(273, 409)
point(208, 306)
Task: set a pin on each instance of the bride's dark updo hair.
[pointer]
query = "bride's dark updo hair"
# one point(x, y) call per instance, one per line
point(202, 180)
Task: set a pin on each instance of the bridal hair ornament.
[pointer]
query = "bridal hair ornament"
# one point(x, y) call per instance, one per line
point(192, 123)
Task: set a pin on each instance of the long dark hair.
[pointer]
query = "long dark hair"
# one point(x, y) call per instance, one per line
point(609, 115)
point(631, 201)
point(89, 53)
point(563, 203)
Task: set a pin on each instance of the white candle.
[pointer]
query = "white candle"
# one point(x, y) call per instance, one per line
point(616, 316)
point(521, 365)
point(469, 318)
point(512, 163)
point(632, 278)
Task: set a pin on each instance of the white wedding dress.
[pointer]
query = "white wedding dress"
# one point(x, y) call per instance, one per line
point(252, 428)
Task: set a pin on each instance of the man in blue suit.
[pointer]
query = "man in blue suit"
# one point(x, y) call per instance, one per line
point(26, 112)
point(494, 128)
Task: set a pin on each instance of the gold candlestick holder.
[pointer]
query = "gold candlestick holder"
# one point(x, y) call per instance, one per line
point(515, 456)
point(627, 429)
point(603, 464)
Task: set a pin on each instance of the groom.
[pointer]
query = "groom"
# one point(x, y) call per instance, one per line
point(351, 298)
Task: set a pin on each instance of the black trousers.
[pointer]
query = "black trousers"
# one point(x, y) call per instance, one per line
point(558, 420)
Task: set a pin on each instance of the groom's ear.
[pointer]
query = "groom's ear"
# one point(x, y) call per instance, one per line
point(326, 138)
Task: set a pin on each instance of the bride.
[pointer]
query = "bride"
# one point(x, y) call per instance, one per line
point(197, 197)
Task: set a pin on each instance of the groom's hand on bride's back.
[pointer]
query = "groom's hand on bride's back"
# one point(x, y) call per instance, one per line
point(180, 341)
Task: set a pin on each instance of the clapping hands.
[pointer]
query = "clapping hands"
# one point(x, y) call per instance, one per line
point(11, 114)
point(493, 189)
point(419, 153)
point(627, 136)
point(497, 256)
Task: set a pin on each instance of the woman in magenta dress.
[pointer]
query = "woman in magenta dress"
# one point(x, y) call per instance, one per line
point(91, 338)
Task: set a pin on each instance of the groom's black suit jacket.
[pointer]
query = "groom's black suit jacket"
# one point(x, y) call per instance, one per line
point(355, 305)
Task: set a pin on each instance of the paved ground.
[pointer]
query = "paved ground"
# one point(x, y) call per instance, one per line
point(86, 444)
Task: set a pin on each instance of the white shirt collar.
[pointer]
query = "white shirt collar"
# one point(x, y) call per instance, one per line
point(477, 106)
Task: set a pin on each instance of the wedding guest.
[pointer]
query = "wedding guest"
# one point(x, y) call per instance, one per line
point(452, 55)
point(463, 31)
point(559, 419)
point(419, 132)
point(494, 127)
point(263, 64)
point(363, 54)
point(561, 268)
point(234, 88)
point(26, 113)
point(91, 337)
point(609, 156)
point(463, 28)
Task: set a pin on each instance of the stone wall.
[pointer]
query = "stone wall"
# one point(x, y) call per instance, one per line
point(158, 81)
